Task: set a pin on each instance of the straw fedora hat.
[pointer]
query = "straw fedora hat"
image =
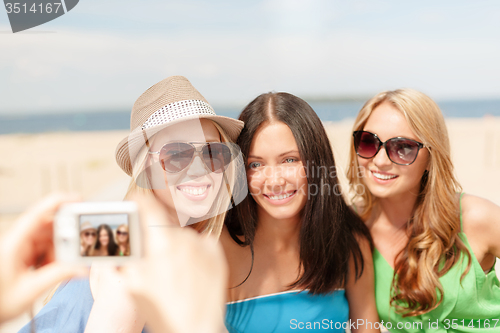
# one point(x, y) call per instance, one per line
point(87, 226)
point(167, 103)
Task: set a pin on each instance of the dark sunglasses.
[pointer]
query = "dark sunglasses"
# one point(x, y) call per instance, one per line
point(177, 156)
point(399, 150)
point(87, 234)
point(124, 233)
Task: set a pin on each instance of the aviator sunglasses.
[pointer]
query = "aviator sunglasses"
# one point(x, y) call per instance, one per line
point(401, 151)
point(177, 156)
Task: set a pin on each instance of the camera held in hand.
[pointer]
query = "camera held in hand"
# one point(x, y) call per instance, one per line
point(97, 231)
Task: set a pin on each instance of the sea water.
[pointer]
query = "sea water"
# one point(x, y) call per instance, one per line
point(106, 120)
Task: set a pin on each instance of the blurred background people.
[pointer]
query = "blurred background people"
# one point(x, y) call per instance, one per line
point(88, 237)
point(123, 240)
point(105, 244)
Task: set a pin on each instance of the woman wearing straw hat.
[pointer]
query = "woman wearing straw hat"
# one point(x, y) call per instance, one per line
point(87, 238)
point(180, 152)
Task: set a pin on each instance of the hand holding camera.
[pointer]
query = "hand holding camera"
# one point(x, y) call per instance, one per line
point(29, 244)
point(180, 271)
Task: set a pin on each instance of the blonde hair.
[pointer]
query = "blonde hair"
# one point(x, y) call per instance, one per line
point(212, 226)
point(434, 245)
point(127, 251)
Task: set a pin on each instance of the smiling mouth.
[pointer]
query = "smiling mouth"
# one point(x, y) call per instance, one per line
point(382, 176)
point(280, 196)
point(193, 190)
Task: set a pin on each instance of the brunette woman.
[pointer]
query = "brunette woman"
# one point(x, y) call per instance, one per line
point(105, 244)
point(299, 257)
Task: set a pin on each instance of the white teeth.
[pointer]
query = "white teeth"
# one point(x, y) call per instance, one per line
point(383, 177)
point(280, 197)
point(193, 190)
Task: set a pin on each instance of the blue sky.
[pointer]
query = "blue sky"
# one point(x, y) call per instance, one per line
point(104, 53)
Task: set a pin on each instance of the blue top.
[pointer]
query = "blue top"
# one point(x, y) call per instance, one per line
point(289, 311)
point(67, 311)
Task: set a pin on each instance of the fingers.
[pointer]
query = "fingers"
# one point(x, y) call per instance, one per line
point(156, 226)
point(43, 212)
point(31, 238)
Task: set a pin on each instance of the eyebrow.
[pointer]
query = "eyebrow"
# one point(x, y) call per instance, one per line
point(282, 154)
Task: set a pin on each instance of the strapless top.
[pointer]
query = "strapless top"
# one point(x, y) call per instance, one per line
point(289, 311)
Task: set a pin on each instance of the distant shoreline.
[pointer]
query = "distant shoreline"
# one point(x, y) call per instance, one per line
point(328, 109)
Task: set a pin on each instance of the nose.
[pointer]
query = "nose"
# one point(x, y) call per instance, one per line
point(381, 160)
point(197, 167)
point(274, 177)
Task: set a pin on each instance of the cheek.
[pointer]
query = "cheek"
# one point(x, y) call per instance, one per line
point(363, 162)
point(217, 179)
point(172, 179)
point(416, 170)
point(165, 196)
point(297, 176)
point(255, 181)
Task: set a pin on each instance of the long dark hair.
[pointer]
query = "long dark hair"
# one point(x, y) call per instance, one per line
point(112, 246)
point(329, 226)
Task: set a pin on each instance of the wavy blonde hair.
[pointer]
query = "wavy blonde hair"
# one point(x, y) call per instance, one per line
point(212, 226)
point(434, 245)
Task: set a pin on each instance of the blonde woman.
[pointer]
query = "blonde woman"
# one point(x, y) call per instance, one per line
point(123, 240)
point(180, 152)
point(88, 238)
point(435, 248)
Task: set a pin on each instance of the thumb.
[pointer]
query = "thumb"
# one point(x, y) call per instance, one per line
point(155, 223)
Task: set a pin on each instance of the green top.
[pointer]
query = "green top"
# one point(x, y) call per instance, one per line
point(469, 305)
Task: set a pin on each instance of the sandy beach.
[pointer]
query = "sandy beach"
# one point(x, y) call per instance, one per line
point(84, 162)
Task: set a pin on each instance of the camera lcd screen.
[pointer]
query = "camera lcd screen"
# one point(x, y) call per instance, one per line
point(104, 235)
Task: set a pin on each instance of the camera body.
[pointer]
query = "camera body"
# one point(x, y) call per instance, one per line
point(85, 232)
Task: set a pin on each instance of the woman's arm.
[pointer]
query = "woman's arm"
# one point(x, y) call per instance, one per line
point(481, 223)
point(361, 293)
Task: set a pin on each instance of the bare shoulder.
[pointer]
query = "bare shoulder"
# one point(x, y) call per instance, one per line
point(478, 214)
point(481, 223)
point(364, 245)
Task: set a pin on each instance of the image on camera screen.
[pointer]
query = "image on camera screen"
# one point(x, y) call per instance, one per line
point(104, 235)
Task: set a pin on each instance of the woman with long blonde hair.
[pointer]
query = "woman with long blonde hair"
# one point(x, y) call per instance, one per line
point(435, 248)
point(122, 240)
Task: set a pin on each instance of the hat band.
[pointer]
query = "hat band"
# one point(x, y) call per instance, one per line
point(177, 110)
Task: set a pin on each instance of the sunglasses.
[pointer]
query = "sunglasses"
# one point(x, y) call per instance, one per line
point(124, 233)
point(87, 234)
point(401, 151)
point(177, 156)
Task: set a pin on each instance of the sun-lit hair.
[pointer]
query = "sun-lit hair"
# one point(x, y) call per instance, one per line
point(434, 245)
point(213, 225)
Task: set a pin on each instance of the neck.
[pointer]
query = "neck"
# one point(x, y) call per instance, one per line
point(399, 210)
point(277, 234)
point(176, 218)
